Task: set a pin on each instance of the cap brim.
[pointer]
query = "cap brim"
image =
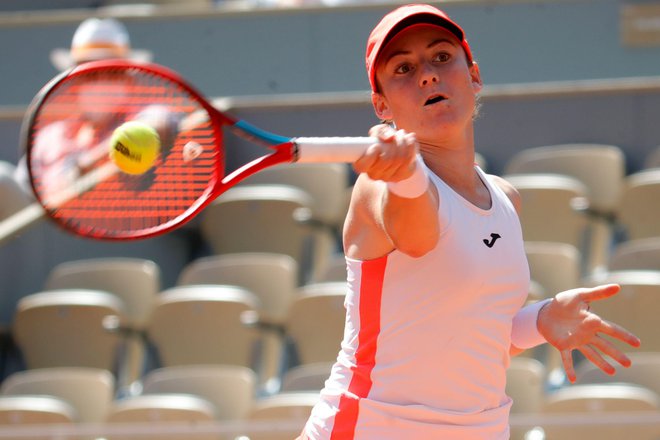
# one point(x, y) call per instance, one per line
point(62, 60)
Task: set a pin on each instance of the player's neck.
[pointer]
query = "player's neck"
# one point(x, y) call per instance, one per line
point(451, 159)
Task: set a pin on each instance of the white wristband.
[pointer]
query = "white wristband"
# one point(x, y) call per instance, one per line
point(524, 332)
point(413, 186)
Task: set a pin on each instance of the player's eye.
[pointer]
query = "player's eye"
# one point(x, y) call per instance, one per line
point(442, 57)
point(403, 69)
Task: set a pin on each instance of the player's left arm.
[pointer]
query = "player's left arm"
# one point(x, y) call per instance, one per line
point(567, 322)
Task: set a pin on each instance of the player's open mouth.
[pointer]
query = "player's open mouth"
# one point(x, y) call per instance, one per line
point(434, 99)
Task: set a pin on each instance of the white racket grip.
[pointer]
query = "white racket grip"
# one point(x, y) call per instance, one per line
point(332, 149)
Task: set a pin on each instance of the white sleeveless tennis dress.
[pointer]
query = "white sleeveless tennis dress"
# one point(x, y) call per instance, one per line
point(426, 343)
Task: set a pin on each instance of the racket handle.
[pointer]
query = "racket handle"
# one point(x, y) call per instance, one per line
point(332, 149)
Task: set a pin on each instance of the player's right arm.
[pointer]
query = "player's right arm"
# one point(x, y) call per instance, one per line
point(378, 219)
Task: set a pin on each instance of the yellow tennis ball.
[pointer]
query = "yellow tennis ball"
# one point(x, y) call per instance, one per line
point(134, 147)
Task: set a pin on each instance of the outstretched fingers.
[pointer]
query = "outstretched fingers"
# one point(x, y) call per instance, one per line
point(567, 361)
point(599, 292)
point(597, 359)
point(618, 332)
point(609, 349)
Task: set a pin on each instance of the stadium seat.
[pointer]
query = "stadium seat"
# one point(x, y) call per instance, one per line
point(203, 324)
point(271, 277)
point(335, 270)
point(306, 377)
point(606, 400)
point(555, 266)
point(644, 371)
point(35, 410)
point(230, 389)
point(65, 328)
point(525, 384)
point(161, 410)
point(551, 198)
point(136, 281)
point(89, 391)
point(636, 307)
point(601, 168)
point(326, 183)
point(267, 218)
point(288, 409)
point(642, 254)
point(639, 209)
point(315, 324)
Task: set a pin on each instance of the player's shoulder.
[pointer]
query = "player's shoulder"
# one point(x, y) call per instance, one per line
point(508, 189)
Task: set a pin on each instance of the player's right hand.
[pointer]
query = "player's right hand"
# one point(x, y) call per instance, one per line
point(392, 159)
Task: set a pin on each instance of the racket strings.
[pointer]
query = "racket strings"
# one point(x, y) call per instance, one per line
point(118, 204)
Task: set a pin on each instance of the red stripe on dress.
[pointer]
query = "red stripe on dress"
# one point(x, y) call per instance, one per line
point(371, 288)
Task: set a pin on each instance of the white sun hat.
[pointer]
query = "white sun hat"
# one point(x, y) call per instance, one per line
point(97, 39)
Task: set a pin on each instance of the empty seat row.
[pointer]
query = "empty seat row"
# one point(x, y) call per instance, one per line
point(189, 395)
point(584, 189)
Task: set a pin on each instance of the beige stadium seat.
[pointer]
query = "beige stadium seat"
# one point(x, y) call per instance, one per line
point(267, 218)
point(556, 266)
point(550, 208)
point(601, 168)
point(204, 325)
point(136, 281)
point(89, 391)
point(601, 400)
point(525, 384)
point(306, 377)
point(326, 183)
point(335, 270)
point(642, 254)
point(287, 411)
point(35, 410)
point(271, 277)
point(639, 210)
point(59, 328)
point(158, 411)
point(230, 389)
point(636, 307)
point(316, 320)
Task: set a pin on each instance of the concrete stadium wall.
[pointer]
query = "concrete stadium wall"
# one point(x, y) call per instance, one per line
point(265, 51)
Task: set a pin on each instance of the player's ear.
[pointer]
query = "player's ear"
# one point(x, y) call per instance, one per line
point(475, 75)
point(381, 107)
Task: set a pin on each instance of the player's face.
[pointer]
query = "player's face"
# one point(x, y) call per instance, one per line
point(426, 84)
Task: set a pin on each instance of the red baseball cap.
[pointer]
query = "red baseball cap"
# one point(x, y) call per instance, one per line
point(401, 18)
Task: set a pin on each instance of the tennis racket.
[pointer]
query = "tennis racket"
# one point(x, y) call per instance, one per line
point(66, 136)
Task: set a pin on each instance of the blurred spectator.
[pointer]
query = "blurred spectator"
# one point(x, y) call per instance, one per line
point(94, 39)
point(97, 39)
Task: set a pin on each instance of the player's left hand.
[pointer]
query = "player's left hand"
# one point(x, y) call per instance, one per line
point(568, 324)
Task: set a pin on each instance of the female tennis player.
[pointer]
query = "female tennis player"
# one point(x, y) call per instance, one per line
point(437, 272)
